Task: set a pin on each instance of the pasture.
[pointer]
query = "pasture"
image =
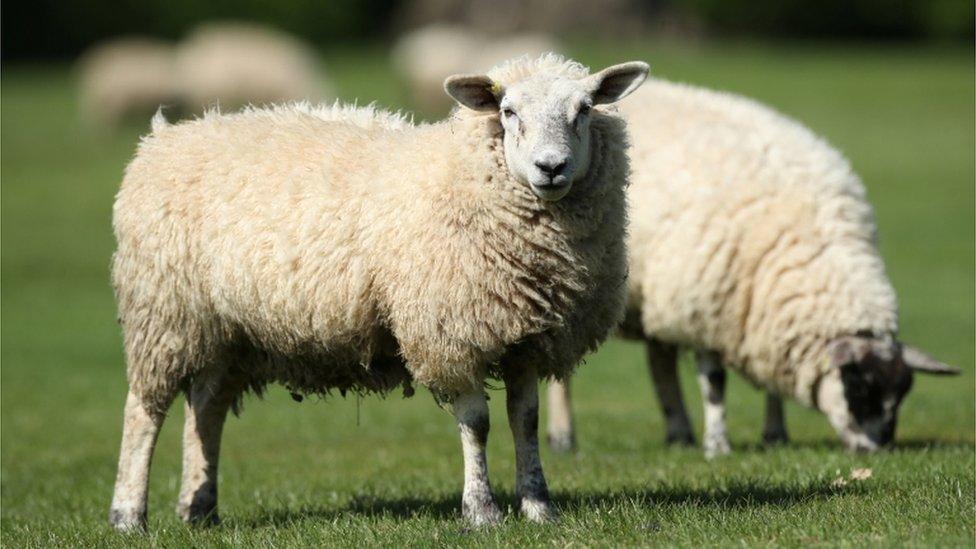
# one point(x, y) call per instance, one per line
point(374, 471)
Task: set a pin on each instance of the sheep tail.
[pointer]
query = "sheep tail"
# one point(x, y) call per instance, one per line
point(159, 121)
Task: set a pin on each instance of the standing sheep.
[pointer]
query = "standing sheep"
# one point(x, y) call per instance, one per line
point(342, 249)
point(237, 64)
point(752, 242)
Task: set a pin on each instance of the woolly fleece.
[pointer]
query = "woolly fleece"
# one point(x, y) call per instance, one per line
point(345, 248)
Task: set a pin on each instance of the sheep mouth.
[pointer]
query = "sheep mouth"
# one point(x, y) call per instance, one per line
point(551, 190)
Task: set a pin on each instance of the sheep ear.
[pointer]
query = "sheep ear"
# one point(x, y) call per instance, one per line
point(922, 362)
point(476, 92)
point(616, 82)
point(847, 350)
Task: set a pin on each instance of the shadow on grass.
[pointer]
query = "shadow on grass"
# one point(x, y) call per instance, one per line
point(735, 495)
point(833, 445)
point(728, 496)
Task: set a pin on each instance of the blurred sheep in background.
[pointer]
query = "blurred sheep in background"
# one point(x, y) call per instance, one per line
point(236, 64)
point(226, 65)
point(559, 17)
point(126, 79)
point(426, 56)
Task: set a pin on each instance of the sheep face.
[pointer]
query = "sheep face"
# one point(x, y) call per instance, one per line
point(868, 379)
point(546, 120)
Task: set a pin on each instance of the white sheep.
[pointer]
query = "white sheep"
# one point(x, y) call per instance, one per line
point(424, 57)
point(237, 64)
point(752, 242)
point(339, 248)
point(125, 78)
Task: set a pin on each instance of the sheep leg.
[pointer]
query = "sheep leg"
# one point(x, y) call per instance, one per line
point(711, 380)
point(477, 502)
point(663, 362)
point(561, 435)
point(139, 432)
point(775, 430)
point(522, 403)
point(206, 410)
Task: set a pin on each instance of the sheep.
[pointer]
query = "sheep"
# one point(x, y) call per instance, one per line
point(753, 243)
point(427, 55)
point(125, 78)
point(236, 64)
point(347, 249)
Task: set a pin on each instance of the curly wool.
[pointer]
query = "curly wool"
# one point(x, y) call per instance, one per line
point(347, 249)
point(761, 248)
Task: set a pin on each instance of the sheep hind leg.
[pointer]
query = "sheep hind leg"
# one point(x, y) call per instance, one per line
point(522, 404)
point(140, 430)
point(560, 433)
point(711, 381)
point(207, 402)
point(663, 363)
point(774, 431)
point(477, 502)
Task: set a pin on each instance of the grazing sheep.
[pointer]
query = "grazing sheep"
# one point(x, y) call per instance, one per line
point(752, 242)
point(426, 56)
point(341, 248)
point(236, 64)
point(124, 79)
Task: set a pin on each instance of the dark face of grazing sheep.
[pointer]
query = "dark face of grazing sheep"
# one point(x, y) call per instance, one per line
point(868, 378)
point(546, 119)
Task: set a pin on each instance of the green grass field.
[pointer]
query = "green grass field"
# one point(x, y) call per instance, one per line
point(344, 472)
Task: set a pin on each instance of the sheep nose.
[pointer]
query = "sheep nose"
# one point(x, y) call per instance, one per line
point(551, 166)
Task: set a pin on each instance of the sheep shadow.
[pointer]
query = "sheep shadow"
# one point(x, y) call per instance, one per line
point(730, 496)
point(833, 445)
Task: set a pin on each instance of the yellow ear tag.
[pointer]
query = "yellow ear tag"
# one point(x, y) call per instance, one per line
point(496, 88)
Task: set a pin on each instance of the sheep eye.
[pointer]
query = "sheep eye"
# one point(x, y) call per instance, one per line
point(507, 112)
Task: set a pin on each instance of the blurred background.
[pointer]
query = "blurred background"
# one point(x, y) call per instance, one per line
point(889, 83)
point(133, 55)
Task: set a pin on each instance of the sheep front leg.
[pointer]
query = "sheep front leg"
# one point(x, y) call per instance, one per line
point(522, 403)
point(775, 430)
point(711, 380)
point(477, 502)
point(663, 363)
point(561, 435)
point(139, 432)
point(206, 410)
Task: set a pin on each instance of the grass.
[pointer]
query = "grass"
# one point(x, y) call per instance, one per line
point(387, 471)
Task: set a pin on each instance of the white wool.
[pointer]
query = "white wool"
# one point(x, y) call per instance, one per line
point(515, 70)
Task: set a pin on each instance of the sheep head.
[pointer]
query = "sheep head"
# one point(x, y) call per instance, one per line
point(546, 115)
point(866, 383)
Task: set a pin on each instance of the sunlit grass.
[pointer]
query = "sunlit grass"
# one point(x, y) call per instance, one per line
point(348, 473)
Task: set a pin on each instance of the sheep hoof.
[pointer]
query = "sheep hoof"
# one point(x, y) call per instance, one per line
point(775, 438)
point(127, 520)
point(715, 447)
point(199, 514)
point(482, 515)
point(538, 510)
point(680, 439)
point(561, 443)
